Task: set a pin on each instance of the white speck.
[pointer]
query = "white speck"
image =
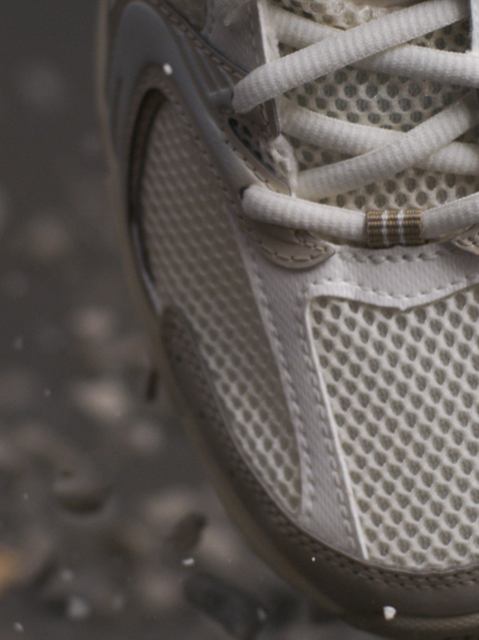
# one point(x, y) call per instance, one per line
point(389, 613)
point(47, 393)
point(313, 559)
point(18, 627)
point(18, 343)
point(25, 496)
point(188, 562)
point(78, 609)
point(167, 69)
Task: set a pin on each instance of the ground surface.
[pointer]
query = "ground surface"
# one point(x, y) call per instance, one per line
point(108, 524)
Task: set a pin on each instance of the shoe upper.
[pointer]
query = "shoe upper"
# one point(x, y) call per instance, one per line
point(334, 364)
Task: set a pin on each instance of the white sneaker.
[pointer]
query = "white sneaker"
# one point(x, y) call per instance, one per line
point(297, 186)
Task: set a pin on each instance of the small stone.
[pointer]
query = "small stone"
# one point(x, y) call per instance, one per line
point(38, 553)
point(94, 323)
point(106, 400)
point(187, 533)
point(239, 613)
point(78, 609)
point(219, 546)
point(163, 511)
point(81, 491)
point(389, 613)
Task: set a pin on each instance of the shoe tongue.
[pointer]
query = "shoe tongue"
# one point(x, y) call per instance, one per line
point(383, 100)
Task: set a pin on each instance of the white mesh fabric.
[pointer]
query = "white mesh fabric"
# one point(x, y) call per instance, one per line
point(402, 387)
point(382, 100)
point(197, 266)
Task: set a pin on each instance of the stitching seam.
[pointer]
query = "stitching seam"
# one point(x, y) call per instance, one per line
point(385, 294)
point(310, 367)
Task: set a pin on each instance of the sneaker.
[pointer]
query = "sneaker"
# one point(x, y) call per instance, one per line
point(296, 182)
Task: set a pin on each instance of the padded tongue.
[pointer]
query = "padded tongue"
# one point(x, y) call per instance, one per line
point(383, 100)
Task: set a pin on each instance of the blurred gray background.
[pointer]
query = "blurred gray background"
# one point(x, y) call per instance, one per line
point(108, 525)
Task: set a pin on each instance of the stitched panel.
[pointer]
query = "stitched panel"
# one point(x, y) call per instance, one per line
point(196, 265)
point(380, 100)
point(403, 391)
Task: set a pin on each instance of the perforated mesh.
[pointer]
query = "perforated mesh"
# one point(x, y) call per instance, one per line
point(403, 390)
point(382, 100)
point(197, 266)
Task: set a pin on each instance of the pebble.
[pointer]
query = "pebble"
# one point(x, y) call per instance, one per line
point(219, 546)
point(238, 612)
point(78, 609)
point(106, 400)
point(163, 511)
point(93, 323)
point(187, 533)
point(81, 491)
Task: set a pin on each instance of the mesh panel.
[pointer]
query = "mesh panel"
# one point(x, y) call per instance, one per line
point(382, 100)
point(197, 266)
point(403, 390)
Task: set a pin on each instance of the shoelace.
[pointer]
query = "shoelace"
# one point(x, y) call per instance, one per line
point(378, 45)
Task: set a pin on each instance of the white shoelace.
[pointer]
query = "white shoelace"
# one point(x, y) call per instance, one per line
point(378, 45)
